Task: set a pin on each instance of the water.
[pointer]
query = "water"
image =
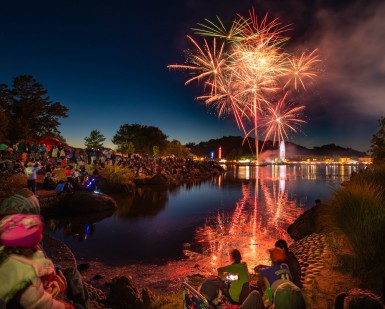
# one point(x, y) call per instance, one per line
point(247, 208)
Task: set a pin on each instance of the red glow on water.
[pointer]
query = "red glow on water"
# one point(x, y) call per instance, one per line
point(261, 217)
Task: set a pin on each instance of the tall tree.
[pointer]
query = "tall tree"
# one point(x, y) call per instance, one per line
point(177, 149)
point(94, 140)
point(377, 148)
point(143, 137)
point(30, 111)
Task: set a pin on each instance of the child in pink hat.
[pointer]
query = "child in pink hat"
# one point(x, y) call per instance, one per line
point(24, 270)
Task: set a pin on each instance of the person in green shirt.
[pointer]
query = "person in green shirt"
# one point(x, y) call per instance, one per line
point(240, 288)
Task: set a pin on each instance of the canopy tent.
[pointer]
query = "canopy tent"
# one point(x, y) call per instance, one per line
point(51, 141)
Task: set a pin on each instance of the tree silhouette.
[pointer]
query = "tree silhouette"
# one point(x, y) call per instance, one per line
point(94, 140)
point(378, 143)
point(30, 112)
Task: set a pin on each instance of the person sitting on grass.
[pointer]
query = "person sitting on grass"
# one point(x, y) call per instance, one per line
point(291, 261)
point(239, 289)
point(275, 275)
point(213, 288)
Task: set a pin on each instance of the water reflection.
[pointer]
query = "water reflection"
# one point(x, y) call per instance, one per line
point(248, 208)
point(144, 202)
point(80, 227)
point(263, 213)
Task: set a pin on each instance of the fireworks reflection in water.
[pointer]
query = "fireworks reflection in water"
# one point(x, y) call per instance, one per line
point(260, 218)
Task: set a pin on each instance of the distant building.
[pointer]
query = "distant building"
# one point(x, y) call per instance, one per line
point(282, 151)
point(343, 160)
point(366, 160)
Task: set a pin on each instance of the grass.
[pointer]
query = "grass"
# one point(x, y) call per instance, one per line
point(357, 213)
point(116, 177)
point(374, 175)
point(171, 300)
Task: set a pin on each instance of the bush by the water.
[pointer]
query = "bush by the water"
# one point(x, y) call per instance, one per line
point(115, 176)
point(374, 175)
point(358, 212)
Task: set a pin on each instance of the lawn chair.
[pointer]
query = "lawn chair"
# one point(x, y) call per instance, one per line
point(192, 299)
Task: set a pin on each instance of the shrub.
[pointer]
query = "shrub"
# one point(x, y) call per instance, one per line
point(375, 175)
point(116, 175)
point(358, 211)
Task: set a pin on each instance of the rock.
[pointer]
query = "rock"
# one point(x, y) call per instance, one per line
point(83, 266)
point(358, 298)
point(58, 252)
point(308, 223)
point(147, 297)
point(98, 299)
point(123, 294)
point(97, 277)
point(158, 179)
point(86, 202)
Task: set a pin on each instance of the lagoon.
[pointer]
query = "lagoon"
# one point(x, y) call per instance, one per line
point(248, 208)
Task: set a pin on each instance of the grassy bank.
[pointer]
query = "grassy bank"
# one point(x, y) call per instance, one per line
point(356, 213)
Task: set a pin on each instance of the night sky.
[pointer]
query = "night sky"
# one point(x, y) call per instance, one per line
point(107, 62)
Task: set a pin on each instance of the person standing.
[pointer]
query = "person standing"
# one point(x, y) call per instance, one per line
point(31, 173)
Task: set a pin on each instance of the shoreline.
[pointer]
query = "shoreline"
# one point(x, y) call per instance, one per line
point(322, 281)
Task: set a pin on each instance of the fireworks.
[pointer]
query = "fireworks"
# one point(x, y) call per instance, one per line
point(244, 69)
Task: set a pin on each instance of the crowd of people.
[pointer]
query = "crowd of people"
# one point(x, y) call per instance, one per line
point(279, 285)
point(31, 159)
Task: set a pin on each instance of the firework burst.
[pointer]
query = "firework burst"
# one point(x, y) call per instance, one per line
point(282, 118)
point(245, 68)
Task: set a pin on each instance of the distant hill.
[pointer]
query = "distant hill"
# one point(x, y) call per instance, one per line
point(235, 146)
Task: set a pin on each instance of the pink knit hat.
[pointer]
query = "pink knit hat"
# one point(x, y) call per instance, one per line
point(21, 230)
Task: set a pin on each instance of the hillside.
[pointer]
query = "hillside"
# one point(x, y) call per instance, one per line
point(235, 146)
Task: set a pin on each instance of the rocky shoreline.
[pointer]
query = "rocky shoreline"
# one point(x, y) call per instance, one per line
point(322, 279)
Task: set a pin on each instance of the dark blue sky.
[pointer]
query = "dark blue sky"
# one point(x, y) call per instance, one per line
point(107, 62)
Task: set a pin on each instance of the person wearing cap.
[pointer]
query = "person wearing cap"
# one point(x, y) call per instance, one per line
point(291, 261)
point(239, 289)
point(212, 289)
point(276, 274)
point(26, 274)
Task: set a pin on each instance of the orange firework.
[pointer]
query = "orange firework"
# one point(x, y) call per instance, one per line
point(245, 73)
point(282, 118)
point(206, 63)
point(300, 69)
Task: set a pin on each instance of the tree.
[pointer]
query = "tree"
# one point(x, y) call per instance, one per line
point(94, 140)
point(126, 148)
point(143, 137)
point(30, 112)
point(378, 143)
point(177, 149)
point(155, 151)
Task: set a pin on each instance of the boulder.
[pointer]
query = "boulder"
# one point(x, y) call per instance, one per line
point(158, 179)
point(123, 294)
point(358, 298)
point(148, 297)
point(86, 202)
point(308, 223)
